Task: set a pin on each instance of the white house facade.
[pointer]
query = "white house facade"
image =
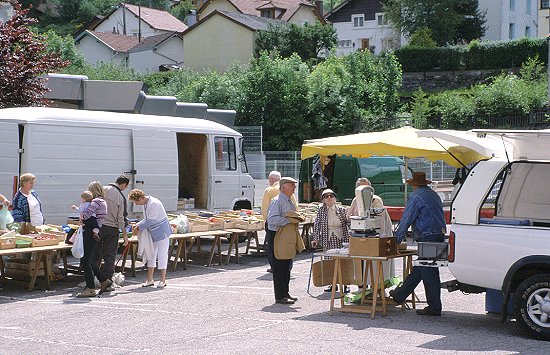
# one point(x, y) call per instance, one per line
point(105, 47)
point(149, 56)
point(361, 24)
point(510, 19)
point(125, 20)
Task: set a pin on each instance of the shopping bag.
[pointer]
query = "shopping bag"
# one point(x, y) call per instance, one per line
point(78, 244)
point(5, 217)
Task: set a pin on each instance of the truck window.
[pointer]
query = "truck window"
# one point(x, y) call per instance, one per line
point(225, 153)
point(242, 157)
point(520, 194)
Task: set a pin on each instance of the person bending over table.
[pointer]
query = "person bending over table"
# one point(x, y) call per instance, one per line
point(424, 211)
point(154, 231)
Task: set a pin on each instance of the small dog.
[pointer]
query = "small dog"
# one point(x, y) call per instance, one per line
point(118, 279)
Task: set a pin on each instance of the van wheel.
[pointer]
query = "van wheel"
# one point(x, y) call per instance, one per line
point(532, 306)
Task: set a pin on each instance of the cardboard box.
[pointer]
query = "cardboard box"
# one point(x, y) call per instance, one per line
point(323, 272)
point(372, 246)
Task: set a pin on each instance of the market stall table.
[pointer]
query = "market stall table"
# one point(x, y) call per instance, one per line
point(40, 255)
point(377, 281)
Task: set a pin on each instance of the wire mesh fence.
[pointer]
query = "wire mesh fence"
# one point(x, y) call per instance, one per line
point(288, 164)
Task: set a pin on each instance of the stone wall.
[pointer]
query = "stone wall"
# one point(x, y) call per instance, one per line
point(445, 80)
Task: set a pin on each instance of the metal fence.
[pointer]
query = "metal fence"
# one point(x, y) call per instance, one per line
point(288, 163)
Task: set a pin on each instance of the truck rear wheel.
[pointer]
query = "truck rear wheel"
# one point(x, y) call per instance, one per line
point(532, 306)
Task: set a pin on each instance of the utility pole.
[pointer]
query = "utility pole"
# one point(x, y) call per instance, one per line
point(139, 21)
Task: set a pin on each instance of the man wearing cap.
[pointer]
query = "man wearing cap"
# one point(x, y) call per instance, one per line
point(276, 218)
point(269, 193)
point(424, 211)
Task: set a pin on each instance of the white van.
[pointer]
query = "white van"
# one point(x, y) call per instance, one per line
point(167, 157)
point(509, 252)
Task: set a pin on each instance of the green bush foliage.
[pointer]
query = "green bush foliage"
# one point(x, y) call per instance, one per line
point(506, 95)
point(476, 55)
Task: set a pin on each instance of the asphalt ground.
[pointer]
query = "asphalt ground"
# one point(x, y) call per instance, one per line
point(231, 310)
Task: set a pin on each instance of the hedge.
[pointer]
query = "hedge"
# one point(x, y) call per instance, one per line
point(476, 55)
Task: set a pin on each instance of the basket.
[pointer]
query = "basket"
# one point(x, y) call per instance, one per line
point(7, 242)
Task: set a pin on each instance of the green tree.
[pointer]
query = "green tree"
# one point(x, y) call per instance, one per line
point(24, 58)
point(451, 21)
point(181, 10)
point(422, 38)
point(65, 46)
point(307, 41)
point(332, 107)
point(275, 97)
point(473, 24)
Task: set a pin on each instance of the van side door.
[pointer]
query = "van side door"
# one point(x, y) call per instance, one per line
point(156, 166)
point(226, 184)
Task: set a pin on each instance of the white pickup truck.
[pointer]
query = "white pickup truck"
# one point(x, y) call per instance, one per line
point(511, 251)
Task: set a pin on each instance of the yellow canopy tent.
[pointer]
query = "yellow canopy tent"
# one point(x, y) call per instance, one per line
point(402, 141)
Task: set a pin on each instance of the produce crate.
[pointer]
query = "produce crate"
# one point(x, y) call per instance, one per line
point(60, 236)
point(44, 241)
point(7, 241)
point(198, 225)
point(21, 269)
point(249, 225)
point(215, 223)
point(229, 223)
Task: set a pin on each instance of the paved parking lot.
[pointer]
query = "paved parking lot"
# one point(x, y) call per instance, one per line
point(231, 310)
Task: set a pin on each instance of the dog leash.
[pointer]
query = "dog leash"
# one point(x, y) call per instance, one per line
point(124, 252)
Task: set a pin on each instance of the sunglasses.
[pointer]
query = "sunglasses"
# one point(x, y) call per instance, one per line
point(329, 196)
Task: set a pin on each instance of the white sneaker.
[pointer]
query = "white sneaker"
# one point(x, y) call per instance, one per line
point(148, 283)
point(161, 284)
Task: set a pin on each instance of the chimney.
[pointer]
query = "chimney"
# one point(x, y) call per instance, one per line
point(191, 18)
point(319, 6)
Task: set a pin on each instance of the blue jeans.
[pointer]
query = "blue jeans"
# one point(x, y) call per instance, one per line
point(429, 277)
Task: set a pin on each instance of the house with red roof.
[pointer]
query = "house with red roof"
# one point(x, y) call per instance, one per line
point(298, 12)
point(131, 20)
point(141, 38)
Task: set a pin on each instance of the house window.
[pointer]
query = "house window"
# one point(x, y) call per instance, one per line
point(381, 20)
point(544, 4)
point(270, 13)
point(512, 31)
point(527, 31)
point(358, 21)
point(226, 157)
point(512, 5)
point(528, 7)
point(344, 43)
